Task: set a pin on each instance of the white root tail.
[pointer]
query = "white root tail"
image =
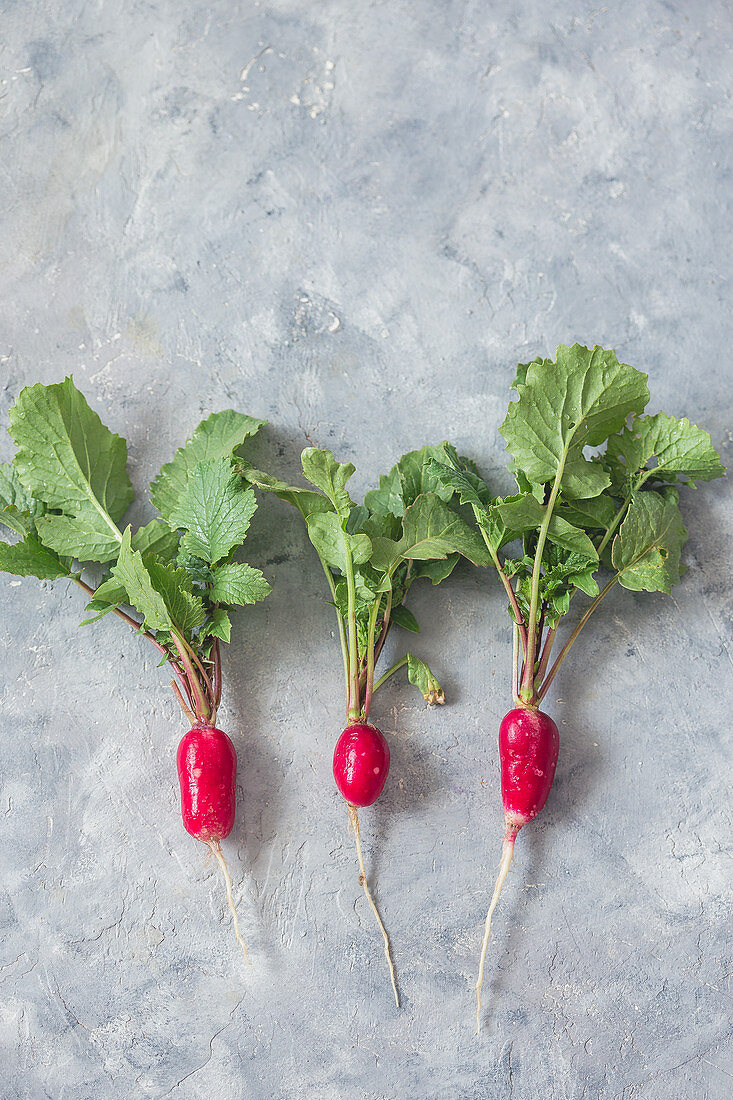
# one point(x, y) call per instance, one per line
point(507, 852)
point(215, 846)
point(354, 821)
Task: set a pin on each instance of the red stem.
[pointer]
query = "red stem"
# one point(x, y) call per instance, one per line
point(202, 670)
point(546, 651)
point(202, 708)
point(186, 710)
point(217, 674)
point(124, 616)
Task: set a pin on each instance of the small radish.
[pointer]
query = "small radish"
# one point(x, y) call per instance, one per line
point(207, 772)
point(361, 764)
point(178, 571)
point(597, 488)
point(528, 748)
point(360, 768)
point(371, 555)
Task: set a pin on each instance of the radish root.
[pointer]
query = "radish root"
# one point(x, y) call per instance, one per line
point(507, 852)
point(215, 846)
point(354, 821)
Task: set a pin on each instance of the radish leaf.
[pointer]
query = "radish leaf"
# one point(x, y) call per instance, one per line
point(219, 625)
point(403, 617)
point(305, 500)
point(679, 450)
point(525, 513)
point(433, 530)
point(332, 542)
point(134, 578)
point(29, 558)
point(238, 583)
point(420, 675)
point(330, 476)
point(646, 551)
point(566, 405)
point(156, 538)
point(216, 437)
point(214, 509)
point(69, 460)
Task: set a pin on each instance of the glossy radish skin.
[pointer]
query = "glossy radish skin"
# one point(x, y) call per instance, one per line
point(207, 771)
point(528, 748)
point(361, 764)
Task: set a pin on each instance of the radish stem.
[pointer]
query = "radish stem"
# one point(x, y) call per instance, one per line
point(507, 852)
point(390, 672)
point(354, 821)
point(566, 648)
point(215, 846)
point(186, 710)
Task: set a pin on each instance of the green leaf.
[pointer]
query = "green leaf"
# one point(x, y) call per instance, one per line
point(473, 491)
point(305, 500)
point(331, 541)
point(420, 675)
point(566, 405)
point(525, 513)
point(410, 478)
point(214, 509)
point(433, 530)
point(107, 596)
point(404, 618)
point(238, 583)
point(161, 593)
point(134, 578)
point(156, 538)
point(81, 537)
point(29, 558)
point(220, 625)
point(217, 437)
point(17, 507)
point(646, 551)
point(68, 459)
point(197, 569)
point(592, 515)
point(677, 450)
point(387, 499)
point(110, 593)
point(435, 571)
point(470, 487)
point(330, 476)
point(176, 587)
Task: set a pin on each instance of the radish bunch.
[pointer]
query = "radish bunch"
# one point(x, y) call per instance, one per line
point(371, 554)
point(597, 491)
point(573, 514)
point(66, 493)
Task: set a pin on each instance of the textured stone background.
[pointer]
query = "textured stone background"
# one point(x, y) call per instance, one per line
point(354, 218)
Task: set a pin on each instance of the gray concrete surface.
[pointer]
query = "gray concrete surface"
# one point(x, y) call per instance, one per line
point(354, 218)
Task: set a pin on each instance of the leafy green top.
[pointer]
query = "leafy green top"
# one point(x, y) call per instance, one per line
point(570, 507)
point(371, 554)
point(66, 493)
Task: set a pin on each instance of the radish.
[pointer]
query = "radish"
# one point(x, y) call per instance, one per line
point(207, 773)
point(360, 768)
point(66, 493)
point(573, 514)
point(361, 764)
point(371, 553)
point(528, 746)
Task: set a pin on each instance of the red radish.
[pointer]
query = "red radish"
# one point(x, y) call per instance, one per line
point(528, 748)
point(360, 768)
point(361, 764)
point(207, 772)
